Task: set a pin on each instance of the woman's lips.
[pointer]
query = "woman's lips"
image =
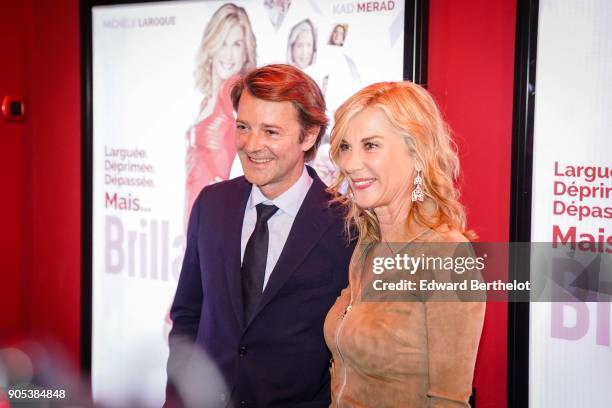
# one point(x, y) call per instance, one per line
point(228, 65)
point(362, 183)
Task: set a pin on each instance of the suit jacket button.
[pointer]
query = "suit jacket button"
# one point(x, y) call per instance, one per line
point(242, 352)
point(243, 403)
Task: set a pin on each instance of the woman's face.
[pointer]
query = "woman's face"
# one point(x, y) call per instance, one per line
point(230, 58)
point(376, 161)
point(302, 49)
point(338, 37)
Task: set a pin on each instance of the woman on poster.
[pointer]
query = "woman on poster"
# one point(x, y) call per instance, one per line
point(227, 49)
point(302, 45)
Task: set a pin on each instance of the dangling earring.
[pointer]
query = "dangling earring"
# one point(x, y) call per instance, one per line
point(417, 193)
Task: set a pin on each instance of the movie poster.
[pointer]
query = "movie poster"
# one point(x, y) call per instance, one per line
point(570, 348)
point(163, 129)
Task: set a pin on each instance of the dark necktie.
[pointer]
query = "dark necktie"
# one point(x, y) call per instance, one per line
point(254, 261)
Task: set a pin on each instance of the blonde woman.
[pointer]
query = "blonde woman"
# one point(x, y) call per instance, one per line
point(228, 48)
point(394, 151)
point(302, 45)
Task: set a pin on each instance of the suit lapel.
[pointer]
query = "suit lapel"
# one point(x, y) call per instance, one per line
point(235, 207)
point(311, 221)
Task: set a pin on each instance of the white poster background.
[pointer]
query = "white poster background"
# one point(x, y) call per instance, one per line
point(573, 122)
point(144, 100)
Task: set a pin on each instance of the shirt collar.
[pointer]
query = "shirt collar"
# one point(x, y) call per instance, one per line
point(288, 202)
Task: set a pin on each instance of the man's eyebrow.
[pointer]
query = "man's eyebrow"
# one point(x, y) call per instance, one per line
point(268, 125)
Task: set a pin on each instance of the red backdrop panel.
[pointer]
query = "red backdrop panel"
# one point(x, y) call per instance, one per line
point(56, 171)
point(14, 172)
point(41, 173)
point(470, 73)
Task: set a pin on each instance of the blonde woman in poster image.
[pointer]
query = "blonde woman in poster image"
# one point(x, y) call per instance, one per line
point(395, 152)
point(302, 45)
point(227, 49)
point(302, 53)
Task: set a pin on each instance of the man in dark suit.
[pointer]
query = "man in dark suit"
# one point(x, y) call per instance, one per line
point(266, 258)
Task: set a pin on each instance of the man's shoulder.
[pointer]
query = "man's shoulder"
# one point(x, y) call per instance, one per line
point(225, 187)
point(326, 200)
point(221, 194)
point(324, 208)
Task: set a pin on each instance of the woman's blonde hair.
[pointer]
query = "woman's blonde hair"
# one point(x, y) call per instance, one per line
point(411, 110)
point(219, 25)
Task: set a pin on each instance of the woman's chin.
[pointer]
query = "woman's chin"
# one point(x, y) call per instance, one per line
point(364, 204)
point(224, 74)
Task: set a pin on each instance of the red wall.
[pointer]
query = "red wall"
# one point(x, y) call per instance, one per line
point(56, 170)
point(471, 59)
point(41, 171)
point(14, 172)
point(470, 73)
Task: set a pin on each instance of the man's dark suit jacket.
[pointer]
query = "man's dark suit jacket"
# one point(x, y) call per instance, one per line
point(279, 357)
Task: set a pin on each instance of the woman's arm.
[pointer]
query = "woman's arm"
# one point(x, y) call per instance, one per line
point(453, 335)
point(454, 324)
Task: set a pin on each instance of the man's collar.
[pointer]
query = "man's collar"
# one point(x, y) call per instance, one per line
point(290, 201)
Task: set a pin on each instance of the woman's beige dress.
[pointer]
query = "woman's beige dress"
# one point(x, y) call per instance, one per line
point(403, 350)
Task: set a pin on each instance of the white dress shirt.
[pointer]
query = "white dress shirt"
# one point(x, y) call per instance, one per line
point(280, 223)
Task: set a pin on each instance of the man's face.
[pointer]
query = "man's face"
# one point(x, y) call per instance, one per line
point(268, 143)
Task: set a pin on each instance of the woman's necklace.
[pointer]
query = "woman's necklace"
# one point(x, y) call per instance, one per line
point(350, 305)
point(406, 243)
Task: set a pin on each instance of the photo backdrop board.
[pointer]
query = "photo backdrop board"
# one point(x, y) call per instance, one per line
point(567, 143)
point(142, 112)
